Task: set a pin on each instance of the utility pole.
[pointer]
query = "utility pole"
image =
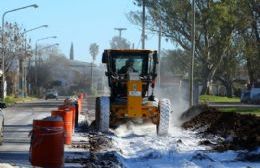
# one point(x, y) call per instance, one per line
point(22, 71)
point(92, 65)
point(143, 26)
point(159, 53)
point(120, 29)
point(133, 46)
point(193, 54)
point(159, 46)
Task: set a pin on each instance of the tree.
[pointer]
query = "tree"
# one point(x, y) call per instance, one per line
point(71, 52)
point(14, 44)
point(175, 61)
point(119, 43)
point(214, 29)
point(49, 65)
point(230, 65)
point(249, 31)
point(93, 50)
point(14, 49)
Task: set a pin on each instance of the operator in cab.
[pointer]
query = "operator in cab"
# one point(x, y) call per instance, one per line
point(128, 67)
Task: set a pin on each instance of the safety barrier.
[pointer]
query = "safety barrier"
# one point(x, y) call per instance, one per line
point(47, 143)
point(67, 115)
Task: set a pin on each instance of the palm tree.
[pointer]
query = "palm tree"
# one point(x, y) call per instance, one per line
point(93, 50)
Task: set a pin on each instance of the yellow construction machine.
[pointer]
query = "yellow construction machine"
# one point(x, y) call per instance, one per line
point(131, 78)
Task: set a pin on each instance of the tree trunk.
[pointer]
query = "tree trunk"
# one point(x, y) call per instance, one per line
point(229, 89)
point(207, 77)
point(228, 84)
point(251, 72)
point(205, 89)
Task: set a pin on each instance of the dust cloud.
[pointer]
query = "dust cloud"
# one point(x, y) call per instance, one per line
point(179, 102)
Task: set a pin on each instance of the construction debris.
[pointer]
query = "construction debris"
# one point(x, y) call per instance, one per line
point(225, 131)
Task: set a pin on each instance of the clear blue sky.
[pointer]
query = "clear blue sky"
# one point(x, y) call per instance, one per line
point(79, 21)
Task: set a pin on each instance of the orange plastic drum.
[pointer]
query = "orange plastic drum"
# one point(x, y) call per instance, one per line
point(66, 115)
point(76, 114)
point(73, 109)
point(79, 105)
point(81, 96)
point(47, 147)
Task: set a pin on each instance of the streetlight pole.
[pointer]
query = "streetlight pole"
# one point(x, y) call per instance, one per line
point(36, 45)
point(35, 61)
point(3, 45)
point(49, 46)
point(23, 83)
point(42, 26)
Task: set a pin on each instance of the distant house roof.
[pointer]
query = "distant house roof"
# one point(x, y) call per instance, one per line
point(76, 63)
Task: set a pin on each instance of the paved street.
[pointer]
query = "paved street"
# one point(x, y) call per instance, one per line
point(18, 124)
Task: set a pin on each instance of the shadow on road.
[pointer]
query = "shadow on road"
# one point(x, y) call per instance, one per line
point(46, 104)
point(14, 157)
point(19, 126)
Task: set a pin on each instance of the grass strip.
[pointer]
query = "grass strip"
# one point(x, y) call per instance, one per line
point(218, 99)
point(241, 110)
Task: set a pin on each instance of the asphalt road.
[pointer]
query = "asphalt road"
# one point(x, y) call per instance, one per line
point(18, 124)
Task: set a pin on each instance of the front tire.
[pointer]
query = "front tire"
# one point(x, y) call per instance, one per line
point(102, 114)
point(164, 120)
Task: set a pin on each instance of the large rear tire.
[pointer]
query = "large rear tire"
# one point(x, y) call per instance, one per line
point(102, 114)
point(164, 120)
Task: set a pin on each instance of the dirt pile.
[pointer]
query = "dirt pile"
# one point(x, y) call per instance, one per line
point(99, 142)
point(98, 148)
point(102, 160)
point(99, 152)
point(236, 131)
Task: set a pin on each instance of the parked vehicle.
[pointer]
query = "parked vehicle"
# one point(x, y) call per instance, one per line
point(250, 96)
point(245, 97)
point(256, 99)
point(2, 106)
point(51, 95)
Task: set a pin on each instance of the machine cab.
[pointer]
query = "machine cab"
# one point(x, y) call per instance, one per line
point(122, 63)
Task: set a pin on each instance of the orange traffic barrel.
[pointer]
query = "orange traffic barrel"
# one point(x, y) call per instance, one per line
point(73, 109)
point(76, 114)
point(79, 105)
point(81, 96)
point(66, 115)
point(47, 147)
